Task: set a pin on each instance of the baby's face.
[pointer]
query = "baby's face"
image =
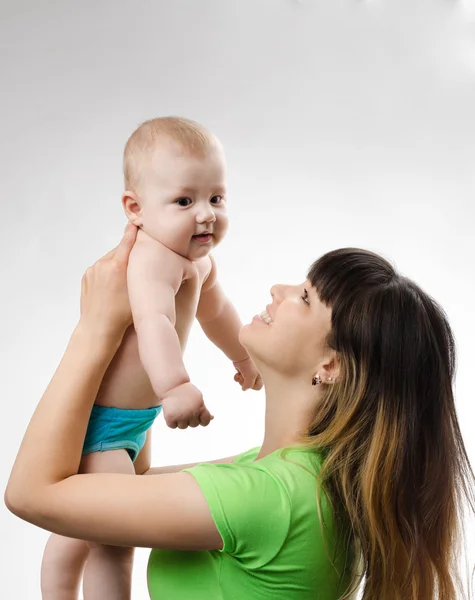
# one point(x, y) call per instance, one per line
point(183, 200)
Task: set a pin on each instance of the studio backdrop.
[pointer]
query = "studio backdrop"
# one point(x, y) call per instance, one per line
point(345, 123)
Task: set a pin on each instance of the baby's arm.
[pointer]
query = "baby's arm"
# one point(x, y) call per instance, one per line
point(219, 319)
point(154, 276)
point(221, 324)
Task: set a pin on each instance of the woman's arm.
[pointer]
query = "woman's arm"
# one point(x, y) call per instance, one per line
point(167, 511)
point(178, 468)
point(142, 462)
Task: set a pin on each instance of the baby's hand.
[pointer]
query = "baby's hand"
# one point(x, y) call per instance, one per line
point(247, 375)
point(184, 407)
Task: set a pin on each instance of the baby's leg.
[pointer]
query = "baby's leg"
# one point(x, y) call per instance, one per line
point(62, 567)
point(108, 572)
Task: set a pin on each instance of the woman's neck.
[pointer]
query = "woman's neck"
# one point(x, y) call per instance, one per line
point(289, 411)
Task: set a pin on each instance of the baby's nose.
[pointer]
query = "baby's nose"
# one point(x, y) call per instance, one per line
point(206, 216)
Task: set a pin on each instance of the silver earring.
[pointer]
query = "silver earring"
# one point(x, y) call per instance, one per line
point(316, 380)
point(330, 379)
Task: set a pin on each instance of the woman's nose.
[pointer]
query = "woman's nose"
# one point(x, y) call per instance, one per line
point(277, 292)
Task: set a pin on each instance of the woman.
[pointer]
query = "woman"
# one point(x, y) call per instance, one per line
point(361, 471)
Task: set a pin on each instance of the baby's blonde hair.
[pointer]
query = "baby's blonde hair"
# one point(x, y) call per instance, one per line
point(192, 137)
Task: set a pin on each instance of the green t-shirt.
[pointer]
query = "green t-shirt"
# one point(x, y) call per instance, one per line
point(266, 513)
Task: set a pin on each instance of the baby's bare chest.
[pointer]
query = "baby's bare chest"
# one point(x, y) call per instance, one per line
point(126, 384)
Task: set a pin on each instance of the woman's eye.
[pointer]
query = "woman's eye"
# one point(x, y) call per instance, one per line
point(305, 296)
point(183, 201)
point(216, 200)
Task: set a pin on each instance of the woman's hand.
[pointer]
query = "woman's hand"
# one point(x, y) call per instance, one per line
point(105, 308)
point(51, 449)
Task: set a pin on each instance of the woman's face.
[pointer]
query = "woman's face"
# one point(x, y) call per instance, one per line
point(290, 334)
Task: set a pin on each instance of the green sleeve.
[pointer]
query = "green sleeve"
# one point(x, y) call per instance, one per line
point(250, 508)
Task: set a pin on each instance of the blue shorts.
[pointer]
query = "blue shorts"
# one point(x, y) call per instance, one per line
point(118, 428)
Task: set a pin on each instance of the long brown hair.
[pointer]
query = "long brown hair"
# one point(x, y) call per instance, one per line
point(396, 464)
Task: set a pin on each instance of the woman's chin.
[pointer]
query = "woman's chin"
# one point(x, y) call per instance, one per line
point(251, 340)
point(242, 333)
point(245, 335)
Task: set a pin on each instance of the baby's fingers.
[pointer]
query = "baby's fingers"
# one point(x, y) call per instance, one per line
point(258, 383)
point(205, 417)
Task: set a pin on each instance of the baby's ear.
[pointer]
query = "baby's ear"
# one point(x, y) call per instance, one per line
point(132, 208)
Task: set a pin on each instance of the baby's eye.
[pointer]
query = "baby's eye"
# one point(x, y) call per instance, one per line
point(305, 297)
point(183, 201)
point(216, 200)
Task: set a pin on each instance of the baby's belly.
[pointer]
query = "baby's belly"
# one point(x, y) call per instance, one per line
point(126, 384)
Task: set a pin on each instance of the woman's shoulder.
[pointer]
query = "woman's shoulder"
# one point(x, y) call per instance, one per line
point(293, 464)
point(310, 459)
point(299, 454)
point(294, 469)
point(246, 457)
point(273, 493)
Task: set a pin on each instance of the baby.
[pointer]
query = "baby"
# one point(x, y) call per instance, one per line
point(175, 184)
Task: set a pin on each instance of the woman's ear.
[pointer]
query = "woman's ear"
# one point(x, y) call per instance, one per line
point(330, 368)
point(132, 208)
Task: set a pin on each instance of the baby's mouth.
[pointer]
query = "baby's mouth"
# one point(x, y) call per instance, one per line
point(203, 237)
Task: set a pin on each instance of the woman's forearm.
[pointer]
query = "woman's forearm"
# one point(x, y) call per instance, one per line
point(178, 468)
point(52, 445)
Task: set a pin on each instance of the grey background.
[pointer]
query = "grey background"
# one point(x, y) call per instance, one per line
point(348, 122)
